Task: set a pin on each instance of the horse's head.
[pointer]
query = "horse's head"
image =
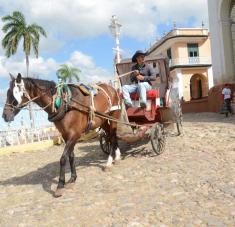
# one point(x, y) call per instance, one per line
point(16, 96)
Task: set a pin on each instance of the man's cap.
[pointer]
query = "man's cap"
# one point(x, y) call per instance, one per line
point(138, 53)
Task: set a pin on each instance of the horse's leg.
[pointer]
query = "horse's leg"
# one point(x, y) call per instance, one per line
point(114, 143)
point(72, 167)
point(68, 148)
point(115, 148)
point(115, 154)
point(110, 158)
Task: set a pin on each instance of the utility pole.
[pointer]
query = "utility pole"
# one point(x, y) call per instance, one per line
point(115, 28)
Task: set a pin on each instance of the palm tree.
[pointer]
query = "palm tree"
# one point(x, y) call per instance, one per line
point(66, 72)
point(16, 29)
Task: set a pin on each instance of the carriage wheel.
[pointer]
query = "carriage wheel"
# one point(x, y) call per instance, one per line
point(104, 143)
point(158, 138)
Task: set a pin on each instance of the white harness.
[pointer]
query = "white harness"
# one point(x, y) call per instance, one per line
point(111, 107)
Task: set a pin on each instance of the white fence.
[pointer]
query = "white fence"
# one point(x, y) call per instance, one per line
point(26, 135)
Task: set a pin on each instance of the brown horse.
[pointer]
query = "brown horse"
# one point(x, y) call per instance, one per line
point(75, 120)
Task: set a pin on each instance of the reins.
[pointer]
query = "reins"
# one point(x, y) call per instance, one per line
point(102, 115)
point(24, 104)
point(125, 74)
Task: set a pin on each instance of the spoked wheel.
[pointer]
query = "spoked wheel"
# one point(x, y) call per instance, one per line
point(104, 143)
point(158, 138)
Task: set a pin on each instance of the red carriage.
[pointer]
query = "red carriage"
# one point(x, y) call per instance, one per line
point(150, 122)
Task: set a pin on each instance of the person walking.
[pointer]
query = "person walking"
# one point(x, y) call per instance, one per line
point(226, 92)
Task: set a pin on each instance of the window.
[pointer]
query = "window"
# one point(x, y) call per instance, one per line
point(193, 50)
point(169, 53)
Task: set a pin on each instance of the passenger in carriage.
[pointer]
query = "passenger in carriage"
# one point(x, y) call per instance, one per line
point(140, 79)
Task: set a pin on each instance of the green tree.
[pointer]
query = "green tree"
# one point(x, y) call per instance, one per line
point(16, 29)
point(67, 73)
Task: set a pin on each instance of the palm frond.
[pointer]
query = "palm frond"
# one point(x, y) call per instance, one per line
point(27, 43)
point(19, 17)
point(35, 43)
point(67, 72)
point(9, 26)
point(38, 28)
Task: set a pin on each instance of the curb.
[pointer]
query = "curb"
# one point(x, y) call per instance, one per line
point(26, 147)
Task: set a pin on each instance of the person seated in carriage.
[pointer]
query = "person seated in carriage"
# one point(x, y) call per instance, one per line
point(141, 79)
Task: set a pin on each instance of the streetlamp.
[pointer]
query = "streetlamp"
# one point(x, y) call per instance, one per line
point(115, 28)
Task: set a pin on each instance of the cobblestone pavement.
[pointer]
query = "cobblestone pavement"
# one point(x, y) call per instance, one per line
point(190, 184)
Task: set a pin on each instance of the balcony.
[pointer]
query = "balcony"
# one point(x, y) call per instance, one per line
point(190, 61)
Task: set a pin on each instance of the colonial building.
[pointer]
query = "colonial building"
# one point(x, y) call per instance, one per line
point(189, 53)
point(222, 29)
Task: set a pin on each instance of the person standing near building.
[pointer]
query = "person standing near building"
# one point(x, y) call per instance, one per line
point(226, 92)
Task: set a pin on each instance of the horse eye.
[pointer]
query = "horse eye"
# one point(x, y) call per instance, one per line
point(15, 102)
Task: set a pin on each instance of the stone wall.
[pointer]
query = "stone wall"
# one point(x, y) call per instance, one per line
point(212, 103)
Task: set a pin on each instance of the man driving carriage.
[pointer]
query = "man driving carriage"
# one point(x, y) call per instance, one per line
point(140, 79)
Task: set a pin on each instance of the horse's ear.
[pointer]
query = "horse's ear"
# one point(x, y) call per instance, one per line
point(18, 78)
point(12, 77)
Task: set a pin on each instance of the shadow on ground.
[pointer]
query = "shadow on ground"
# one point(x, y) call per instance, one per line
point(47, 175)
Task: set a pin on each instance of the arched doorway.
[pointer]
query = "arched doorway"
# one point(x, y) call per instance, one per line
point(198, 86)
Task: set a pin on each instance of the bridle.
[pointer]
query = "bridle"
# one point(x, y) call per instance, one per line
point(21, 90)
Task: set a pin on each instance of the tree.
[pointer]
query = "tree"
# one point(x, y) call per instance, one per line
point(67, 73)
point(17, 29)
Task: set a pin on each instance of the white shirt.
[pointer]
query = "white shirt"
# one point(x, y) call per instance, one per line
point(227, 93)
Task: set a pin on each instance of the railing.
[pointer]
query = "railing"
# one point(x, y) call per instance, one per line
point(26, 135)
point(190, 61)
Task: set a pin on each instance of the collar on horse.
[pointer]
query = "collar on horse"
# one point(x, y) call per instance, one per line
point(60, 102)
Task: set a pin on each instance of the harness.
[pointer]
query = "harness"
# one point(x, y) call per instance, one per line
point(93, 91)
point(63, 98)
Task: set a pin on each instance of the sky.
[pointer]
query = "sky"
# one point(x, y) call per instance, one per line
point(78, 33)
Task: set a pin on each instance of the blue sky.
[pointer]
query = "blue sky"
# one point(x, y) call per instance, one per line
point(78, 34)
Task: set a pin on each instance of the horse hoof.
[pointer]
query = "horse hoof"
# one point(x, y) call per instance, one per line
point(69, 186)
point(107, 168)
point(59, 192)
point(117, 162)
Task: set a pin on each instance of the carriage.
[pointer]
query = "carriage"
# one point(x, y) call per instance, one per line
point(162, 110)
point(77, 113)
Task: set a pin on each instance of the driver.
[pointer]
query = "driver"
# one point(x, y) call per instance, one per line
point(140, 79)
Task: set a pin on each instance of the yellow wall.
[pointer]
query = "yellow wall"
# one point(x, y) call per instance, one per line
point(179, 52)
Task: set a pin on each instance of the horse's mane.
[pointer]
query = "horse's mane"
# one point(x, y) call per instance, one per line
point(41, 84)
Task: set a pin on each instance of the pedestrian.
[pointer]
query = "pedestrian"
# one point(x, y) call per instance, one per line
point(226, 93)
point(141, 79)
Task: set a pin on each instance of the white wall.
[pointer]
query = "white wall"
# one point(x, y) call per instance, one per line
point(221, 41)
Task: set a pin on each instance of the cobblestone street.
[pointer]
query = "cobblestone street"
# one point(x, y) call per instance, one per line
point(190, 184)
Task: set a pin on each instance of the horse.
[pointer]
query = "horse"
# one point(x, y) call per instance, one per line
point(74, 122)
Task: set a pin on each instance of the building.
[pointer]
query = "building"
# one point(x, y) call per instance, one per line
point(189, 53)
point(222, 29)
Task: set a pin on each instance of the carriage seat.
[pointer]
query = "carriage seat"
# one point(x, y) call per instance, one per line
point(151, 95)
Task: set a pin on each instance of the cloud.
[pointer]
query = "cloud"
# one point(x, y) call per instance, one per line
point(82, 19)
point(46, 68)
point(89, 71)
point(39, 67)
